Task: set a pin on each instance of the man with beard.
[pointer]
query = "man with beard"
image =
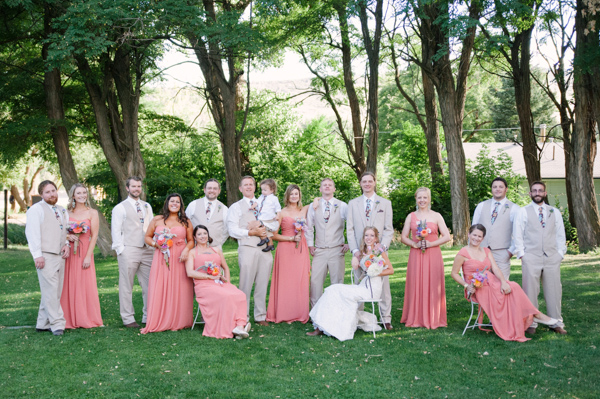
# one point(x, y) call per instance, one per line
point(130, 220)
point(46, 232)
point(210, 212)
point(540, 243)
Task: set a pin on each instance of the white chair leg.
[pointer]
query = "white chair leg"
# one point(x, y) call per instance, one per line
point(197, 314)
point(374, 317)
point(469, 321)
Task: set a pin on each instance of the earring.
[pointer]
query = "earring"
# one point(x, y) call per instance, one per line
point(73, 202)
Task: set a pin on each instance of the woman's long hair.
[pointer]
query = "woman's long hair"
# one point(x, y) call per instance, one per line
point(363, 246)
point(183, 219)
point(72, 202)
point(288, 192)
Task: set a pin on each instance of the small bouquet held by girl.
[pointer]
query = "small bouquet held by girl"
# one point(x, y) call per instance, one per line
point(212, 269)
point(373, 264)
point(164, 241)
point(77, 229)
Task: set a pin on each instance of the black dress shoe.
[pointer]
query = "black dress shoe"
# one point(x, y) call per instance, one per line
point(262, 242)
point(43, 330)
point(268, 248)
point(57, 332)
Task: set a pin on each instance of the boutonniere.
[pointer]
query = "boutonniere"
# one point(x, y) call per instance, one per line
point(551, 210)
point(219, 208)
point(146, 206)
point(335, 207)
point(506, 207)
point(377, 202)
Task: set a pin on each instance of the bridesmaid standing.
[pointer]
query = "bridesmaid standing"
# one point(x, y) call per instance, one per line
point(170, 291)
point(425, 293)
point(289, 297)
point(79, 299)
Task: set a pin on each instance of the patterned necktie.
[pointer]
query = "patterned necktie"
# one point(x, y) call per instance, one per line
point(57, 216)
point(208, 210)
point(368, 209)
point(495, 212)
point(327, 213)
point(139, 212)
point(541, 217)
point(262, 203)
point(252, 202)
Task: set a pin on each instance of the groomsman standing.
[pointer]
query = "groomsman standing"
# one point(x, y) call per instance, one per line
point(540, 243)
point(255, 265)
point(325, 239)
point(371, 210)
point(46, 232)
point(210, 212)
point(498, 215)
point(130, 220)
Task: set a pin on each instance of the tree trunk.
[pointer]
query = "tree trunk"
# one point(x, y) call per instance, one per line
point(60, 135)
point(14, 190)
point(432, 132)
point(583, 140)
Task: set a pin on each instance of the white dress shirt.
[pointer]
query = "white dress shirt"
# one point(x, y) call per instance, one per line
point(233, 220)
point(372, 198)
point(514, 210)
point(520, 226)
point(33, 227)
point(268, 207)
point(119, 215)
point(191, 209)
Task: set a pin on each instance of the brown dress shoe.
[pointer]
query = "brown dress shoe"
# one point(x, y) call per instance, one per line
point(559, 330)
point(530, 330)
point(263, 323)
point(387, 326)
point(315, 333)
point(132, 325)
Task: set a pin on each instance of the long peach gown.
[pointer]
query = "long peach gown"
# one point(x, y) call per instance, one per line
point(223, 306)
point(170, 290)
point(289, 297)
point(79, 299)
point(425, 292)
point(510, 314)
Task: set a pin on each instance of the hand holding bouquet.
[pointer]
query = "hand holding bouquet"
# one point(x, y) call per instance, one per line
point(164, 242)
point(373, 264)
point(422, 232)
point(77, 229)
point(299, 227)
point(477, 280)
point(212, 269)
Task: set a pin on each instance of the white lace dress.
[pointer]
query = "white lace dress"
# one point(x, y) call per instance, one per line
point(336, 313)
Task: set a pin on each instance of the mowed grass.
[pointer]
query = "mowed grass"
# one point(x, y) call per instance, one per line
point(281, 361)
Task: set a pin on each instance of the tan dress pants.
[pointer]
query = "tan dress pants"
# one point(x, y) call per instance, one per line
point(546, 269)
point(133, 261)
point(255, 270)
point(324, 260)
point(51, 277)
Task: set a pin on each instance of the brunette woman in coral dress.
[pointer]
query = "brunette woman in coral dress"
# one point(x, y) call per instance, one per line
point(289, 297)
point(170, 291)
point(223, 305)
point(505, 302)
point(79, 299)
point(425, 292)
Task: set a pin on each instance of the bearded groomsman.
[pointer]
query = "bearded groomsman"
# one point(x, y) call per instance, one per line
point(540, 243)
point(325, 239)
point(255, 265)
point(371, 210)
point(46, 232)
point(210, 212)
point(498, 215)
point(130, 220)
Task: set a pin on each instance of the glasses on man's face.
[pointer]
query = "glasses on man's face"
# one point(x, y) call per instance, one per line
point(538, 192)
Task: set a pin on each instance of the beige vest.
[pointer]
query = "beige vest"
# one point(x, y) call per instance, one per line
point(216, 224)
point(330, 234)
point(537, 240)
point(53, 237)
point(247, 217)
point(498, 235)
point(133, 230)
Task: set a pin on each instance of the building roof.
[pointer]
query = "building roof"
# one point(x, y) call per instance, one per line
point(552, 161)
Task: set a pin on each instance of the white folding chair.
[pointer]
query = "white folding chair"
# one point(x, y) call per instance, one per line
point(373, 301)
point(476, 323)
point(196, 318)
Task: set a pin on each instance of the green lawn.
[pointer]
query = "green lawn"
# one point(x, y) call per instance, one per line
point(281, 361)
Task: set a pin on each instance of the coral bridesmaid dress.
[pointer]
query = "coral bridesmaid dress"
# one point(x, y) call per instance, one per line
point(425, 292)
point(79, 299)
point(289, 298)
point(223, 306)
point(170, 290)
point(510, 314)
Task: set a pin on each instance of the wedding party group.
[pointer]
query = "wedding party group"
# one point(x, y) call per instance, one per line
point(177, 256)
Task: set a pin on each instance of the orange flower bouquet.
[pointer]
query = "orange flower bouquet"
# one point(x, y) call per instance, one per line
point(164, 240)
point(77, 229)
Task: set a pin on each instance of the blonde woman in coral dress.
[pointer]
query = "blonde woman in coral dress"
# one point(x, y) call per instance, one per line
point(505, 302)
point(79, 299)
point(170, 291)
point(223, 305)
point(289, 298)
point(425, 292)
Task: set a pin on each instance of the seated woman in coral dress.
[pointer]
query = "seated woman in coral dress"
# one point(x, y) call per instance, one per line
point(505, 302)
point(337, 312)
point(79, 299)
point(170, 291)
point(222, 304)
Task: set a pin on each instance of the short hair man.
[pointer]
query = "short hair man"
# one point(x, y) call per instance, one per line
point(497, 215)
point(130, 220)
point(325, 239)
point(210, 212)
point(46, 232)
point(540, 243)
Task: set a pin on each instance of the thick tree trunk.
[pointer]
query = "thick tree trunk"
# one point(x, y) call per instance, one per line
point(60, 137)
point(432, 132)
point(583, 139)
point(14, 190)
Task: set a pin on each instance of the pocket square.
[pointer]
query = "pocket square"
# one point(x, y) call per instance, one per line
point(380, 211)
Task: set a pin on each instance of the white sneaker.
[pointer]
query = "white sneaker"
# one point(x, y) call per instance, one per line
point(550, 322)
point(247, 327)
point(238, 331)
